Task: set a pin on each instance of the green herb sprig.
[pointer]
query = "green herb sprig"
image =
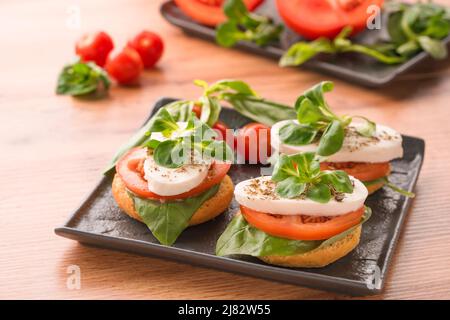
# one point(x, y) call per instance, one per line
point(411, 27)
point(300, 174)
point(196, 138)
point(82, 78)
point(316, 121)
point(244, 25)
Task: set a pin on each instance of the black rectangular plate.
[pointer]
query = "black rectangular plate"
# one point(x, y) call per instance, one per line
point(99, 221)
point(351, 67)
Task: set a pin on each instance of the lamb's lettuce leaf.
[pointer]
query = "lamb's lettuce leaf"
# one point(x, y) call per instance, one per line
point(167, 220)
point(242, 238)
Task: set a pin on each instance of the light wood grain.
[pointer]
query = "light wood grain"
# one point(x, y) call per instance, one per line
point(53, 149)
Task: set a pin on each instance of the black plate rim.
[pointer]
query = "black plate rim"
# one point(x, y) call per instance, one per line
point(300, 277)
point(202, 31)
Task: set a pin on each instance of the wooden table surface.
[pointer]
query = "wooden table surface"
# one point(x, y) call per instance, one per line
point(54, 147)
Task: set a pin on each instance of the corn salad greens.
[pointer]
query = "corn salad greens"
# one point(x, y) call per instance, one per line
point(82, 78)
point(299, 175)
point(244, 25)
point(411, 27)
point(317, 122)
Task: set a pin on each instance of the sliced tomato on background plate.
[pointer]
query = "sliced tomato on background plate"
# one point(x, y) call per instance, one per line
point(128, 169)
point(296, 227)
point(209, 12)
point(360, 170)
point(325, 18)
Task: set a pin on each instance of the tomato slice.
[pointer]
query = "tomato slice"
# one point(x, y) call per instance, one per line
point(128, 169)
point(301, 227)
point(360, 170)
point(209, 12)
point(325, 18)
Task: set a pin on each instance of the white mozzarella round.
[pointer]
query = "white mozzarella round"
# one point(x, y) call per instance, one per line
point(171, 182)
point(384, 146)
point(259, 194)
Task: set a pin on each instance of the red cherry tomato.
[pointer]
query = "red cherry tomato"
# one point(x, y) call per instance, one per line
point(197, 109)
point(125, 67)
point(209, 12)
point(149, 46)
point(253, 142)
point(321, 18)
point(94, 47)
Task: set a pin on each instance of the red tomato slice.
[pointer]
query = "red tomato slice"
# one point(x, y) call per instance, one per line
point(360, 170)
point(325, 18)
point(301, 227)
point(128, 169)
point(209, 12)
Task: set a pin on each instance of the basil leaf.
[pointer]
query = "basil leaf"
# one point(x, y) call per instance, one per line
point(210, 110)
point(167, 220)
point(308, 112)
point(240, 238)
point(218, 150)
point(180, 110)
point(297, 134)
point(163, 122)
point(332, 139)
point(170, 154)
point(339, 180)
point(81, 79)
point(319, 192)
point(303, 51)
point(283, 168)
point(291, 187)
point(316, 94)
point(435, 48)
point(260, 110)
point(395, 32)
point(228, 34)
point(390, 185)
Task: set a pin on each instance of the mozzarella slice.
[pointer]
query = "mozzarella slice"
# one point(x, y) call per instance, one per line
point(384, 146)
point(259, 194)
point(171, 182)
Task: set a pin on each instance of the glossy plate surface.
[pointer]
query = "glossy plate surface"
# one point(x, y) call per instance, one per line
point(99, 221)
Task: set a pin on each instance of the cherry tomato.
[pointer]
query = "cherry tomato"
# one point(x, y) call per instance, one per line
point(128, 169)
point(253, 142)
point(197, 109)
point(320, 18)
point(360, 170)
point(94, 47)
point(149, 46)
point(300, 227)
point(125, 67)
point(209, 12)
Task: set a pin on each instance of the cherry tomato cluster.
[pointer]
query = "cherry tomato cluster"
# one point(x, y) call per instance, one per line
point(143, 51)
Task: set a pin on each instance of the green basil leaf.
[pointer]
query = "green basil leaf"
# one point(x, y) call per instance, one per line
point(308, 112)
point(235, 9)
point(82, 78)
point(240, 238)
point(289, 188)
point(297, 134)
point(395, 31)
point(435, 48)
point(170, 154)
point(260, 110)
point(151, 143)
point(228, 34)
point(303, 51)
point(332, 139)
point(339, 180)
point(319, 192)
point(316, 94)
point(218, 150)
point(180, 110)
point(210, 110)
point(167, 220)
point(163, 122)
point(283, 168)
point(390, 185)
